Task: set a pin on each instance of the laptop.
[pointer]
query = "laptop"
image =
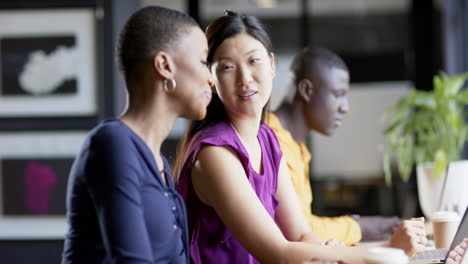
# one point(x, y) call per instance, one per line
point(440, 255)
point(455, 195)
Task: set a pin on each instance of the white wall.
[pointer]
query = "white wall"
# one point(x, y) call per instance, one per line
point(281, 80)
point(353, 152)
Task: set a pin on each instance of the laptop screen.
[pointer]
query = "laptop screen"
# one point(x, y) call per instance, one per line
point(461, 234)
point(454, 196)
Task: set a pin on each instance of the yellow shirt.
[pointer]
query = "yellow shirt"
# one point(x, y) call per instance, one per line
point(342, 228)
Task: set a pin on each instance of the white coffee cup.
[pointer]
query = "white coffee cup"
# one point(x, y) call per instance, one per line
point(444, 225)
point(385, 255)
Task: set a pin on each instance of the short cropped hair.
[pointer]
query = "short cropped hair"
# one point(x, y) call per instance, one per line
point(147, 32)
point(308, 60)
point(311, 58)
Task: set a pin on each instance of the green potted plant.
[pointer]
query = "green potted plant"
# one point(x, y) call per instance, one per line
point(427, 129)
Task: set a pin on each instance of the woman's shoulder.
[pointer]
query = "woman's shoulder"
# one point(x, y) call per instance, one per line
point(220, 129)
point(217, 134)
point(111, 134)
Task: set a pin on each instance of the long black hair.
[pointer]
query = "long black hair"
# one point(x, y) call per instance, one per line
point(222, 28)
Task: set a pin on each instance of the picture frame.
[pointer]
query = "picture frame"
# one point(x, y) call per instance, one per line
point(48, 65)
point(34, 169)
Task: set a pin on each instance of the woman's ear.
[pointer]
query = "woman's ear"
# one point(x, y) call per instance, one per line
point(273, 65)
point(305, 90)
point(164, 65)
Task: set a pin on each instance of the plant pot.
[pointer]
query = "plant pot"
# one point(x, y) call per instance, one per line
point(429, 188)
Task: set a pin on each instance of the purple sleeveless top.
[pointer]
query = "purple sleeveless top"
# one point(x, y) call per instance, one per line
point(210, 240)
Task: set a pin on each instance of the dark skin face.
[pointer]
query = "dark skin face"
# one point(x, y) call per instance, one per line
point(324, 92)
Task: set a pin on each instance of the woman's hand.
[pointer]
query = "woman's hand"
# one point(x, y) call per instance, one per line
point(455, 256)
point(410, 236)
point(333, 243)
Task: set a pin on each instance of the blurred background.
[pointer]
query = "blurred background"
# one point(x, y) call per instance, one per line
point(390, 46)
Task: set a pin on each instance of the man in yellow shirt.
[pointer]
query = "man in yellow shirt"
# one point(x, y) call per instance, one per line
point(320, 81)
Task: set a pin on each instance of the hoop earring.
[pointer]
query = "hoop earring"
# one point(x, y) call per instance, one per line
point(167, 89)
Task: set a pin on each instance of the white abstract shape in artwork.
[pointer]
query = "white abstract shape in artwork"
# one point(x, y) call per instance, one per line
point(42, 73)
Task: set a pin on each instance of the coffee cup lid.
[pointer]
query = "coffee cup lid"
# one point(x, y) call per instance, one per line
point(445, 216)
point(386, 255)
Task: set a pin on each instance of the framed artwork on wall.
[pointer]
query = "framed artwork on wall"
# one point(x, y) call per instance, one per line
point(48, 63)
point(34, 169)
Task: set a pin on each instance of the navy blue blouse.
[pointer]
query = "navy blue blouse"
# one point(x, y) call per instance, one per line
point(119, 209)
